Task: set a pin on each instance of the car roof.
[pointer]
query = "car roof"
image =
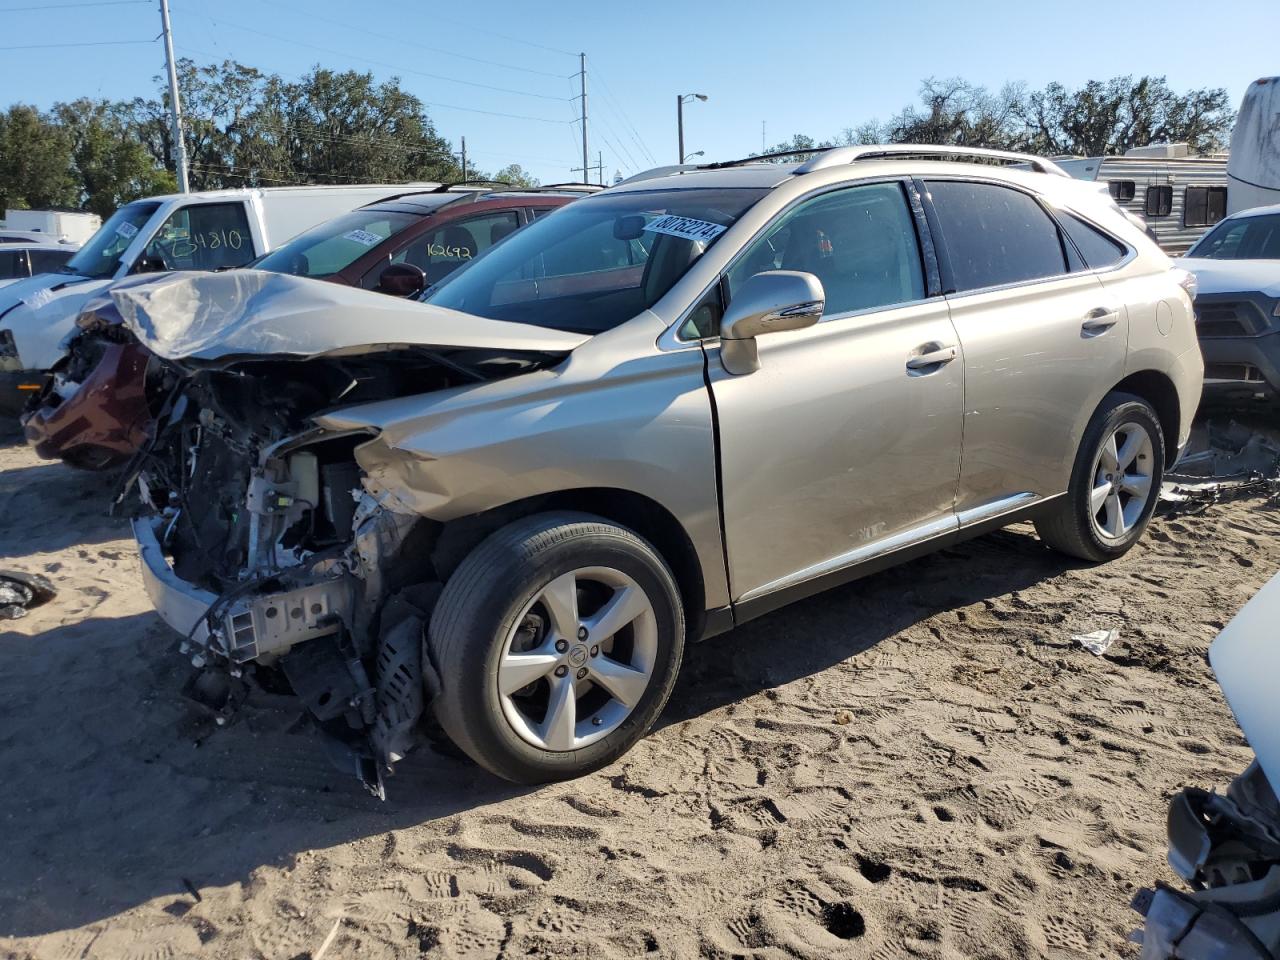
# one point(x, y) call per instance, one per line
point(1255, 212)
point(67, 248)
point(431, 202)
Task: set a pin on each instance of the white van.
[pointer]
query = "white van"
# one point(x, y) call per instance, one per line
point(213, 230)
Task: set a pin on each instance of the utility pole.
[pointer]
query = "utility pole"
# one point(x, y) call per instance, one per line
point(680, 129)
point(464, 158)
point(175, 108)
point(586, 171)
point(600, 166)
point(582, 74)
point(762, 126)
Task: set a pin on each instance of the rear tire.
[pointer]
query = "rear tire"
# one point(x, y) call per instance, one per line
point(557, 642)
point(1115, 483)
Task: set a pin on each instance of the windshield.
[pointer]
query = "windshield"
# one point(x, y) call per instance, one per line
point(595, 263)
point(100, 257)
point(336, 244)
point(1249, 238)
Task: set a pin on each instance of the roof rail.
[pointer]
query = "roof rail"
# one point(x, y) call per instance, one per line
point(835, 156)
point(657, 172)
point(763, 157)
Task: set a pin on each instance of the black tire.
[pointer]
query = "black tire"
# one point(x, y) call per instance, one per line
point(1068, 524)
point(478, 609)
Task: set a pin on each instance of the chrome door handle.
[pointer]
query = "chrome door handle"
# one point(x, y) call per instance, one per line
point(934, 358)
point(1100, 319)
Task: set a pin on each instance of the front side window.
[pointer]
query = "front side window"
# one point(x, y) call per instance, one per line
point(1121, 191)
point(1159, 201)
point(1203, 206)
point(995, 235)
point(100, 257)
point(598, 262)
point(333, 246)
point(1247, 238)
point(441, 251)
point(207, 236)
point(860, 242)
point(48, 261)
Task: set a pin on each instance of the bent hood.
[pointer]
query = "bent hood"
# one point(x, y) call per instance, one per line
point(1234, 276)
point(40, 311)
point(1246, 660)
point(215, 317)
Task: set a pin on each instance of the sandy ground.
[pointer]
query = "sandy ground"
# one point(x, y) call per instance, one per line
point(921, 764)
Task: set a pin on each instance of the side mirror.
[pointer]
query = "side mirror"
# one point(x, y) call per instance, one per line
point(150, 263)
point(402, 280)
point(768, 302)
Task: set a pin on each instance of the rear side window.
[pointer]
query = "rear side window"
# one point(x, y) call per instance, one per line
point(1204, 206)
point(1159, 202)
point(441, 251)
point(12, 264)
point(995, 235)
point(1122, 190)
point(1099, 250)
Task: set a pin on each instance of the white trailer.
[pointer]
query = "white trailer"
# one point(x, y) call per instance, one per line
point(1178, 195)
point(66, 226)
point(1254, 169)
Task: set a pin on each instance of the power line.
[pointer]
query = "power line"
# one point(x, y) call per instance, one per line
point(413, 43)
point(381, 63)
point(636, 139)
point(69, 6)
point(90, 43)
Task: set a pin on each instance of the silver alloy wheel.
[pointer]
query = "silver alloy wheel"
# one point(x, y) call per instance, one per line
point(566, 679)
point(1122, 481)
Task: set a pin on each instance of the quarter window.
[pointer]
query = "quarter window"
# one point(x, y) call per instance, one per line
point(1099, 250)
point(13, 263)
point(1122, 190)
point(207, 236)
point(1203, 206)
point(1159, 202)
point(994, 235)
point(860, 242)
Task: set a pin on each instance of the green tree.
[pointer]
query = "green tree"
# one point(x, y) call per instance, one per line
point(35, 161)
point(516, 176)
point(110, 163)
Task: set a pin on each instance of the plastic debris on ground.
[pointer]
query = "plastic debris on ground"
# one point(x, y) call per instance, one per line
point(1230, 460)
point(1098, 642)
point(19, 592)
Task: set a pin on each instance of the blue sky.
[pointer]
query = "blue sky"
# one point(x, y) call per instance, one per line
point(809, 68)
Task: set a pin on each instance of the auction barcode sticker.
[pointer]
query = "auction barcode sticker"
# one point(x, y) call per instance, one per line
point(126, 230)
point(686, 227)
point(363, 236)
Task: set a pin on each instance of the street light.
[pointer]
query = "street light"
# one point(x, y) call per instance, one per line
point(690, 156)
point(681, 100)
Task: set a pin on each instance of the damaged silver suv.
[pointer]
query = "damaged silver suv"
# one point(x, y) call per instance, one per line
point(643, 419)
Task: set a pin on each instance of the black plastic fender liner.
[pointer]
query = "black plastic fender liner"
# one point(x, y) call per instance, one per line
point(20, 592)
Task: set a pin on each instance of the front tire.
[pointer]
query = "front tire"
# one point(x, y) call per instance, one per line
point(557, 642)
point(1115, 483)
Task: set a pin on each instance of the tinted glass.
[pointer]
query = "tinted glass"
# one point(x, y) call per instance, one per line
point(860, 242)
point(598, 262)
point(208, 236)
point(48, 261)
point(332, 246)
point(1204, 206)
point(100, 257)
point(1159, 201)
point(995, 235)
point(1249, 238)
point(12, 264)
point(441, 251)
point(1122, 190)
point(1099, 250)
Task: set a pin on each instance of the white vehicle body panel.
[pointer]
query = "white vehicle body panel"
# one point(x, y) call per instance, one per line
point(42, 311)
point(1254, 168)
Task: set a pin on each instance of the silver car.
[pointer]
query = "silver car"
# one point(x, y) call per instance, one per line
point(638, 422)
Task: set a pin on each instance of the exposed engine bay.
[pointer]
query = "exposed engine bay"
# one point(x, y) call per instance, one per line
point(307, 572)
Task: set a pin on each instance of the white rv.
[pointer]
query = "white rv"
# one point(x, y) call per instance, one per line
point(1177, 194)
point(1254, 169)
point(213, 230)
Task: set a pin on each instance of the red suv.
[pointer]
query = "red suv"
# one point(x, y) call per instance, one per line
point(95, 411)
